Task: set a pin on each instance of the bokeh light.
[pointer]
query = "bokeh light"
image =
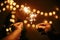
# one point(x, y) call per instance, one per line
point(25, 21)
point(41, 13)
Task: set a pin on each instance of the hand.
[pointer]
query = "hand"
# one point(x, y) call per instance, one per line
point(45, 26)
point(18, 25)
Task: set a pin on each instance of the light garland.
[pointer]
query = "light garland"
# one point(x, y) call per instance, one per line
point(12, 6)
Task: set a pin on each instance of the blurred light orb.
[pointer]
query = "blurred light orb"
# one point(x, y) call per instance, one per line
point(13, 16)
point(50, 14)
point(7, 29)
point(11, 7)
point(50, 22)
point(12, 20)
point(25, 21)
point(17, 6)
point(14, 3)
point(56, 17)
point(28, 25)
point(34, 10)
point(38, 12)
point(5, 2)
point(45, 21)
point(54, 12)
point(22, 6)
point(46, 14)
point(14, 8)
point(33, 25)
point(7, 6)
point(2, 4)
point(4, 9)
point(41, 13)
point(57, 9)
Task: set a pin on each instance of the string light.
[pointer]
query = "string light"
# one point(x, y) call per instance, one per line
point(2, 4)
point(57, 9)
point(5, 2)
point(25, 21)
point(11, 7)
point(56, 17)
point(34, 10)
point(12, 20)
point(7, 6)
point(33, 25)
point(50, 22)
point(17, 6)
point(54, 12)
point(45, 21)
point(4, 9)
point(50, 13)
point(46, 14)
point(38, 12)
point(13, 16)
point(14, 8)
point(22, 6)
point(14, 3)
point(28, 25)
point(41, 13)
point(7, 29)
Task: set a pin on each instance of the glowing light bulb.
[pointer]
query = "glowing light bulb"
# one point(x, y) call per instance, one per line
point(2, 4)
point(7, 29)
point(28, 25)
point(54, 12)
point(5, 2)
point(14, 3)
point(22, 6)
point(14, 8)
point(46, 14)
point(17, 6)
point(12, 20)
point(41, 13)
point(45, 21)
point(7, 6)
point(50, 13)
point(10, 28)
point(11, 7)
point(4, 9)
point(57, 9)
point(56, 17)
point(13, 16)
point(50, 22)
point(33, 25)
point(38, 12)
point(25, 21)
point(34, 10)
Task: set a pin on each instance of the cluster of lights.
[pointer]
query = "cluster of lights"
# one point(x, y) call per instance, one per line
point(32, 13)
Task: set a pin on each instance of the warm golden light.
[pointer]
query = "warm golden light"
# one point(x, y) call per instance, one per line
point(22, 6)
point(57, 9)
point(5, 2)
point(10, 2)
point(14, 8)
point(25, 21)
point(56, 16)
point(50, 22)
point(13, 16)
point(11, 7)
point(17, 6)
point(14, 3)
point(38, 12)
point(12, 20)
point(33, 25)
point(7, 29)
point(34, 10)
point(28, 25)
point(13, 12)
point(10, 28)
point(4, 9)
point(7, 6)
point(26, 9)
point(50, 13)
point(41, 13)
point(2, 4)
point(45, 21)
point(46, 14)
point(54, 12)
